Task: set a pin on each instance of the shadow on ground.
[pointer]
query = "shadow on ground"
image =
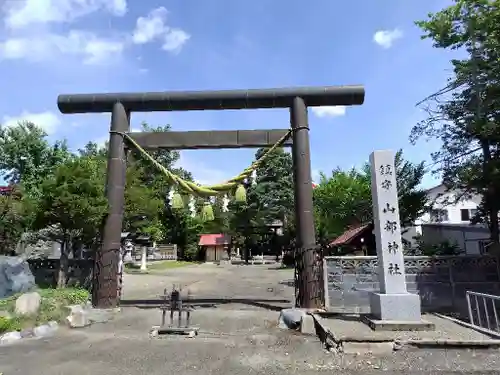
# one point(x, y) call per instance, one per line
point(268, 304)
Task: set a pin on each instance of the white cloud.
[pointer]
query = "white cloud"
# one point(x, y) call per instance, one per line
point(49, 121)
point(385, 38)
point(80, 44)
point(23, 13)
point(154, 27)
point(175, 40)
point(150, 27)
point(31, 35)
point(329, 111)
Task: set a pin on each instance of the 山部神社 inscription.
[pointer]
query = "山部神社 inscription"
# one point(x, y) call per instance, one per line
point(392, 247)
point(394, 269)
point(387, 222)
point(389, 209)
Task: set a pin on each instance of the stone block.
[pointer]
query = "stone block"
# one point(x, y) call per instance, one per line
point(77, 317)
point(46, 330)
point(28, 303)
point(10, 337)
point(307, 325)
point(396, 307)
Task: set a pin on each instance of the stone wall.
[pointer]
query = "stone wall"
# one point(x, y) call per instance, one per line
point(45, 272)
point(441, 281)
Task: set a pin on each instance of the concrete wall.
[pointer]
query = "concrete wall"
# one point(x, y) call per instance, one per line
point(441, 282)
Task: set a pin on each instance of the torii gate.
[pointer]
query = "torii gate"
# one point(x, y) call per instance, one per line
point(120, 105)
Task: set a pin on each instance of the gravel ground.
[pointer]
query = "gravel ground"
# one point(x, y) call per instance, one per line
point(233, 340)
point(230, 342)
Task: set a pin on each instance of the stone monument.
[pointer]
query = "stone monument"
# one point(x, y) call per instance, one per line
point(392, 305)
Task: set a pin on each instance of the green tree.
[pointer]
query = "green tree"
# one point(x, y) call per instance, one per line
point(72, 205)
point(465, 114)
point(15, 216)
point(143, 206)
point(344, 199)
point(272, 197)
point(341, 200)
point(27, 157)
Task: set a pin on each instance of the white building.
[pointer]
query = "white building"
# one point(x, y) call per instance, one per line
point(445, 209)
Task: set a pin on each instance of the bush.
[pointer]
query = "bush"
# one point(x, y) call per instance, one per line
point(191, 253)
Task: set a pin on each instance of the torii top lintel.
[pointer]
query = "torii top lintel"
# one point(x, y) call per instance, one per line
point(212, 100)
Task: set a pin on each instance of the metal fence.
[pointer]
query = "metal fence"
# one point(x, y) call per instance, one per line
point(483, 311)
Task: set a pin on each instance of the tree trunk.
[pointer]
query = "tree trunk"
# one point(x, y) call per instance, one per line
point(489, 197)
point(63, 265)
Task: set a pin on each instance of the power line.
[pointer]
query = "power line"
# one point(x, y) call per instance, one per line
point(444, 160)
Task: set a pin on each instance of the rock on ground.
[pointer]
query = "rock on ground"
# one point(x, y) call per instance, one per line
point(46, 330)
point(15, 276)
point(83, 316)
point(290, 318)
point(10, 337)
point(77, 317)
point(28, 303)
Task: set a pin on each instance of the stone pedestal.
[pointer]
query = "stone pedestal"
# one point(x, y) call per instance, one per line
point(395, 307)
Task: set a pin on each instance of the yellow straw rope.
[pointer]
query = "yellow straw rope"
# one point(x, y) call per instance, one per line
point(212, 190)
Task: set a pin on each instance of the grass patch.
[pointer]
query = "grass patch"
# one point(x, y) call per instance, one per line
point(52, 307)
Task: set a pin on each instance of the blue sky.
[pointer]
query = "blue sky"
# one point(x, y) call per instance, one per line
point(84, 46)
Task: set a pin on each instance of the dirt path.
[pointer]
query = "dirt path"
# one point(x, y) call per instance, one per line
point(255, 281)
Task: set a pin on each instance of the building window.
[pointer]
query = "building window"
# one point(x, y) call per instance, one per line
point(438, 216)
point(467, 214)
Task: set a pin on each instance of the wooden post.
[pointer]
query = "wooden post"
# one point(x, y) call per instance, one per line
point(105, 282)
point(306, 236)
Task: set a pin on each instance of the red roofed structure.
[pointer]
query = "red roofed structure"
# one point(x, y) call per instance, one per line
point(357, 240)
point(6, 190)
point(215, 246)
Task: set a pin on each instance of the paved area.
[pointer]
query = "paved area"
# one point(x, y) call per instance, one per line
point(351, 329)
point(234, 339)
point(209, 280)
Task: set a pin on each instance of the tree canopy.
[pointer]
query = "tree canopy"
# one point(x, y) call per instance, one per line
point(344, 198)
point(464, 115)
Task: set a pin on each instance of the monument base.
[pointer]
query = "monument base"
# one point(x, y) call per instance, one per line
point(402, 307)
point(396, 312)
point(396, 325)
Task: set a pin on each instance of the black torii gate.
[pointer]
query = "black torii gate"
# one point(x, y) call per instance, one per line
point(120, 105)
